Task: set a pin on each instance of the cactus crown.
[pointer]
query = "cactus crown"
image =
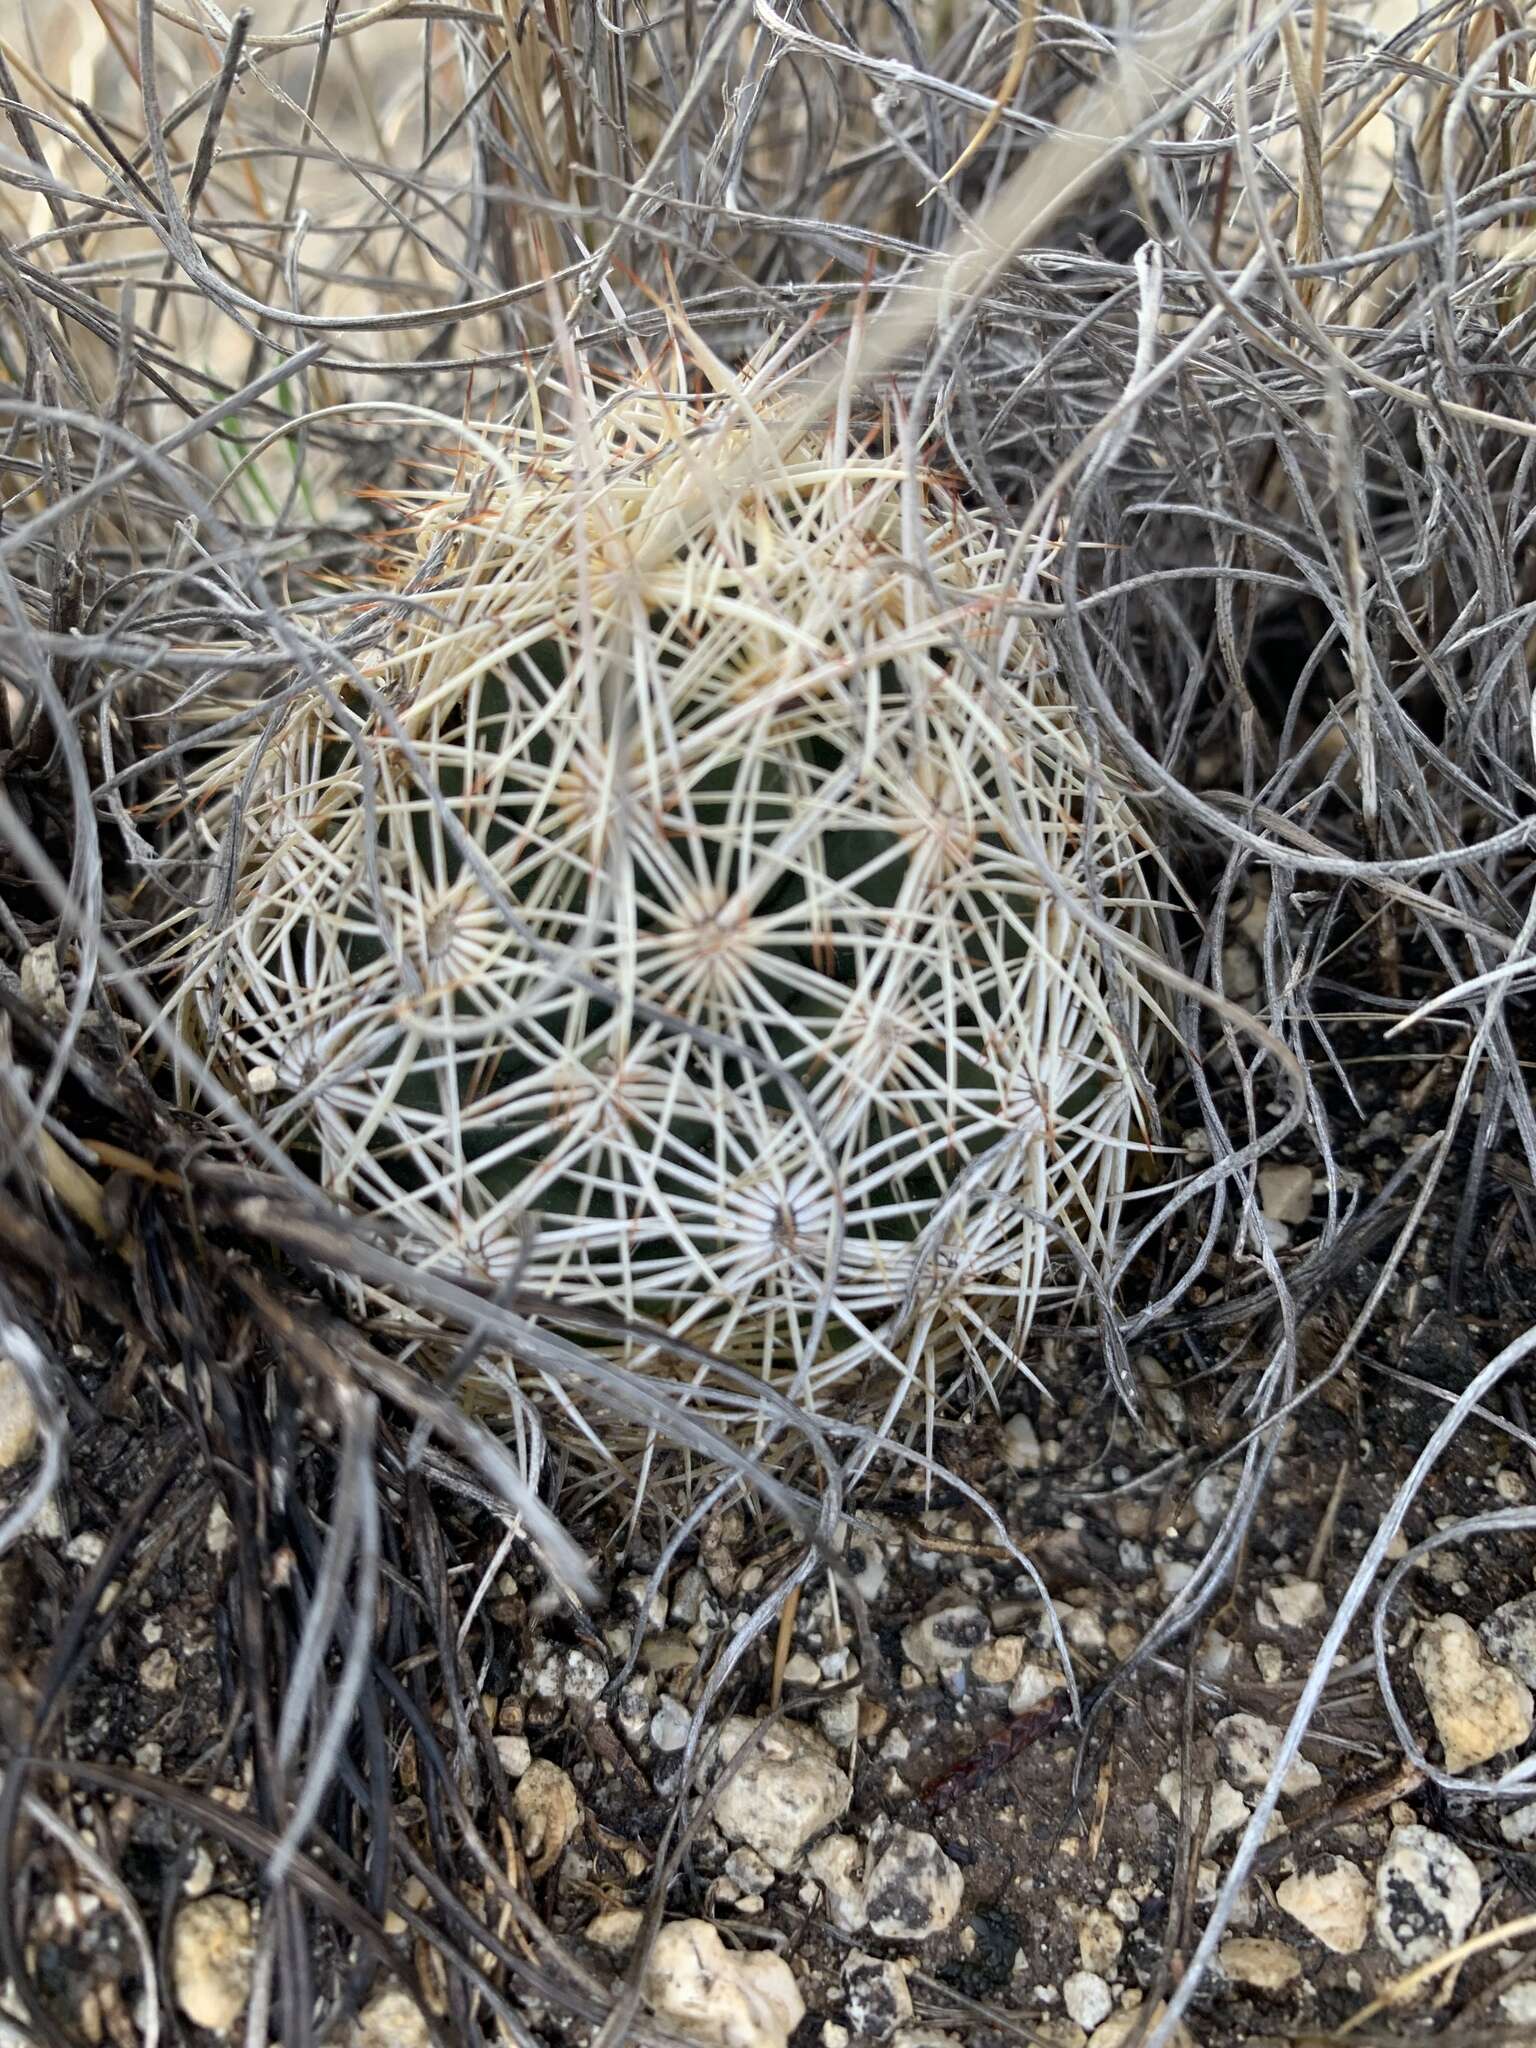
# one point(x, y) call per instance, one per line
point(693, 881)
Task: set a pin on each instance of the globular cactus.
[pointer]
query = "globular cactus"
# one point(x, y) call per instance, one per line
point(699, 893)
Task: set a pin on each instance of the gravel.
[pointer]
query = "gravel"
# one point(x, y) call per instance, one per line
point(721, 1997)
point(1480, 1708)
point(212, 1954)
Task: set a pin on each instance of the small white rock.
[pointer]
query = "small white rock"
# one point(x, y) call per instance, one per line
point(1213, 1494)
point(1035, 1684)
point(1173, 1575)
point(1215, 1656)
point(41, 982)
point(838, 1720)
point(219, 1533)
point(1480, 1709)
point(945, 1638)
point(1021, 1444)
point(547, 1812)
point(877, 1997)
point(1087, 1998)
point(837, 1864)
point(1119, 2027)
point(747, 1870)
point(1100, 1939)
point(692, 1591)
point(1519, 2004)
point(1285, 1193)
point(784, 1794)
point(866, 1561)
point(570, 1675)
point(615, 1930)
point(1427, 1895)
point(1509, 1637)
point(1261, 1964)
point(159, 1672)
point(1229, 1809)
point(719, 1996)
point(1057, 2032)
point(392, 2019)
point(913, 1890)
point(633, 1591)
point(1332, 1901)
point(211, 1960)
point(1083, 1628)
point(999, 1662)
point(18, 1416)
point(1519, 1827)
point(1248, 1749)
point(670, 1724)
point(1291, 1603)
point(515, 1755)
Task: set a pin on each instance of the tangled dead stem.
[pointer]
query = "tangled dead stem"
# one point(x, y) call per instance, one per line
point(1223, 320)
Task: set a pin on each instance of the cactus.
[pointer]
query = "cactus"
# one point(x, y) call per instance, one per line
point(679, 899)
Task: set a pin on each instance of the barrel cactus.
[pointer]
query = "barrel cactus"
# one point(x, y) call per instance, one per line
point(680, 896)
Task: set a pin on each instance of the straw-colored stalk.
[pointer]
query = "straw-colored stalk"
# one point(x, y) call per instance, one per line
point(694, 906)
